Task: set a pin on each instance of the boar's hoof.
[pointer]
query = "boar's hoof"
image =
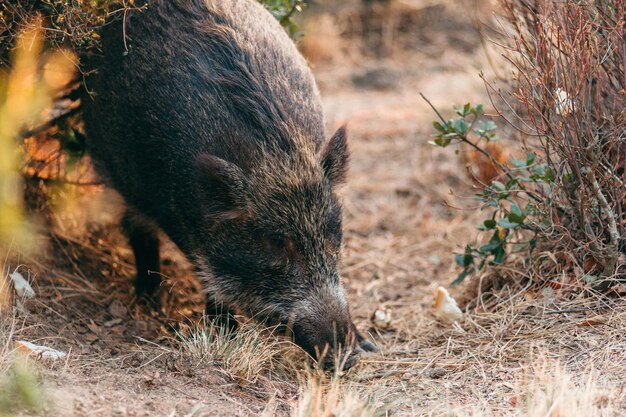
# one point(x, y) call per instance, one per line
point(152, 299)
point(365, 344)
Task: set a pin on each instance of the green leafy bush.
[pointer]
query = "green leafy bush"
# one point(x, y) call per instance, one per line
point(20, 390)
point(506, 219)
point(567, 196)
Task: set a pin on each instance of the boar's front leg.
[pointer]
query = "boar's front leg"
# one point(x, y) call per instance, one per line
point(220, 314)
point(144, 240)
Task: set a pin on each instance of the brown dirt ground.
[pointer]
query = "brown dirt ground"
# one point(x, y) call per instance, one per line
point(402, 222)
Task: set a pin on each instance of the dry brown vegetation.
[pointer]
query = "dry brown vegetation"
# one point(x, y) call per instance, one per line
point(549, 347)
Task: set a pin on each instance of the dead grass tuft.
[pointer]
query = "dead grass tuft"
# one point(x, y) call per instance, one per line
point(547, 389)
point(551, 391)
point(245, 354)
point(323, 397)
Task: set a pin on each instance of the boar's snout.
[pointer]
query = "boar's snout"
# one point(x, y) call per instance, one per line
point(330, 344)
point(325, 330)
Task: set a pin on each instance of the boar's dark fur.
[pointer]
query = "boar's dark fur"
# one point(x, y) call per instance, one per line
point(207, 120)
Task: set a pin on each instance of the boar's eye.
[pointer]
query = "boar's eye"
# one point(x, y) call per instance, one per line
point(279, 245)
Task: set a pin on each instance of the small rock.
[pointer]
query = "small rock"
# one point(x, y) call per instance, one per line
point(141, 326)
point(435, 373)
point(381, 318)
point(117, 309)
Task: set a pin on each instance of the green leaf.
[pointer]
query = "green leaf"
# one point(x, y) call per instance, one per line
point(283, 10)
point(489, 247)
point(498, 186)
point(487, 126)
point(459, 279)
point(499, 255)
point(514, 218)
point(511, 183)
point(441, 128)
point(490, 224)
point(496, 237)
point(443, 140)
point(507, 224)
point(464, 260)
point(515, 209)
point(466, 109)
point(519, 163)
point(461, 126)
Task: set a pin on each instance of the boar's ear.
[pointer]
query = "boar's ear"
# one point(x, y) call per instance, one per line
point(222, 187)
point(335, 157)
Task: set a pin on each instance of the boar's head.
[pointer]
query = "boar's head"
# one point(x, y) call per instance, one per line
point(273, 241)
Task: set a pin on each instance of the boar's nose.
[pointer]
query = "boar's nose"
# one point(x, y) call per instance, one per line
point(331, 345)
point(323, 327)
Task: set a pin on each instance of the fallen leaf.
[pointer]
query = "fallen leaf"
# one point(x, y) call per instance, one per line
point(446, 307)
point(554, 285)
point(112, 323)
point(93, 327)
point(21, 285)
point(590, 265)
point(592, 321)
point(40, 352)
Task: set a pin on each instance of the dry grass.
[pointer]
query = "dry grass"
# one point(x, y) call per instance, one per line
point(7, 325)
point(323, 397)
point(552, 392)
point(251, 354)
point(246, 353)
point(20, 385)
point(546, 390)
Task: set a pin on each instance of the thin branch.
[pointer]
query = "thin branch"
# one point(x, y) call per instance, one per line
point(614, 237)
point(434, 108)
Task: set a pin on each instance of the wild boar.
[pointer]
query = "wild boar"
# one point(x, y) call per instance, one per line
point(206, 119)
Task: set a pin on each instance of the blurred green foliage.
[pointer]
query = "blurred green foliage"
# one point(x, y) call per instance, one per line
point(283, 11)
point(20, 390)
point(508, 203)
